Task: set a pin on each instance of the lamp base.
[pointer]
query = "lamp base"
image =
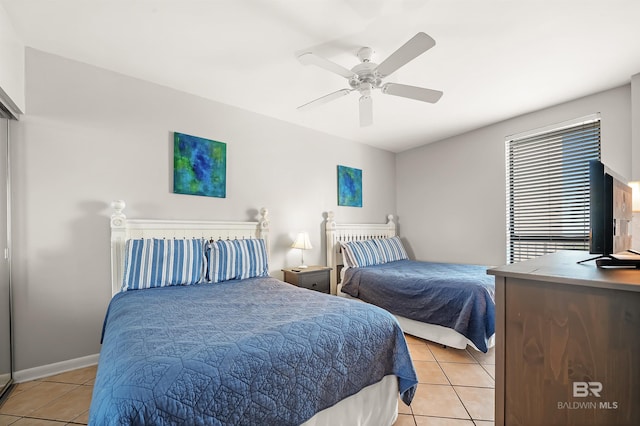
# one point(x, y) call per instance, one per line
point(302, 266)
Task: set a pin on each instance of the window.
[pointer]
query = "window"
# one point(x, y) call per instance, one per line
point(548, 188)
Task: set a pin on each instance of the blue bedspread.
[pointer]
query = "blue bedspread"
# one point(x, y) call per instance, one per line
point(250, 352)
point(461, 297)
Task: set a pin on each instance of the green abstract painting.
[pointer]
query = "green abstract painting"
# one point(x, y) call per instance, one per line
point(199, 166)
point(349, 186)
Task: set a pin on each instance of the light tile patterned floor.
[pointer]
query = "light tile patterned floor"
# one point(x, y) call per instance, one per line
point(456, 389)
point(56, 400)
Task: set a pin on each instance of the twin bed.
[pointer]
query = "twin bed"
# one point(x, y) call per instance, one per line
point(230, 345)
point(450, 304)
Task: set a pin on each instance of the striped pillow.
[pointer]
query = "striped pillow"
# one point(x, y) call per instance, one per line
point(361, 253)
point(236, 260)
point(154, 262)
point(346, 255)
point(223, 261)
point(254, 258)
point(391, 249)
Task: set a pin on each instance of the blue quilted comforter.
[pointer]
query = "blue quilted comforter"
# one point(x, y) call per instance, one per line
point(457, 296)
point(250, 352)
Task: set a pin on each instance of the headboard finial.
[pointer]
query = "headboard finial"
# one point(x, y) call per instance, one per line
point(331, 223)
point(390, 219)
point(117, 217)
point(264, 219)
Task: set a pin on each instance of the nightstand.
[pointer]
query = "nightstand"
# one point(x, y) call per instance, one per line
point(313, 278)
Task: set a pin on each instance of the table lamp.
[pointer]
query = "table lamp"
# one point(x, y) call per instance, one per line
point(302, 242)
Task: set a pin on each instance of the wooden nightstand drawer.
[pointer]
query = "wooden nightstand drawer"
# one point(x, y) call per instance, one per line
point(313, 278)
point(318, 281)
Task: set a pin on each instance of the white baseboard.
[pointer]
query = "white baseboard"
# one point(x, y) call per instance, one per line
point(55, 368)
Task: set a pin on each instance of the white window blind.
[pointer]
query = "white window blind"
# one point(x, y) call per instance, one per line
point(548, 189)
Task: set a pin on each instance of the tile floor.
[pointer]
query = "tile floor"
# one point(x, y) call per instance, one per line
point(456, 389)
point(53, 401)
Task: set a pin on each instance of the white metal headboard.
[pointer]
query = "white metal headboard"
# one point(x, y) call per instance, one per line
point(123, 229)
point(345, 232)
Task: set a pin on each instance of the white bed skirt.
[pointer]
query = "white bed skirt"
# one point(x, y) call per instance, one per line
point(434, 333)
point(438, 334)
point(375, 405)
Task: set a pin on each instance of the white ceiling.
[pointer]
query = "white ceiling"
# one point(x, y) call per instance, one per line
point(493, 59)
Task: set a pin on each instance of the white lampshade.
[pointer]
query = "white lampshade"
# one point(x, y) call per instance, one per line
point(635, 196)
point(302, 242)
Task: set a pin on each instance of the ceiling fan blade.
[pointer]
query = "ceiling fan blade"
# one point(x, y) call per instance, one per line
point(366, 111)
point(311, 58)
point(324, 99)
point(416, 46)
point(412, 92)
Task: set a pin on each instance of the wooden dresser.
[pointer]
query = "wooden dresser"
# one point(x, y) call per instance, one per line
point(567, 343)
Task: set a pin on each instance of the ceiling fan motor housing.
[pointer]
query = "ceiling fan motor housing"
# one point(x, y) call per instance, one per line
point(365, 74)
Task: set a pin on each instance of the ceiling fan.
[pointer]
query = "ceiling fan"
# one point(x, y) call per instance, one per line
point(368, 76)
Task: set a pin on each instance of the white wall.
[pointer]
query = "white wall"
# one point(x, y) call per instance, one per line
point(451, 194)
point(11, 66)
point(92, 136)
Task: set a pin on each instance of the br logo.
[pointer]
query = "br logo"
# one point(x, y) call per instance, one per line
point(584, 389)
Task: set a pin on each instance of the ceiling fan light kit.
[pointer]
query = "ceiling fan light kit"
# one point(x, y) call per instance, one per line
point(367, 76)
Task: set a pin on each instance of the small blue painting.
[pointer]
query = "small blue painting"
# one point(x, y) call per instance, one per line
point(199, 166)
point(349, 186)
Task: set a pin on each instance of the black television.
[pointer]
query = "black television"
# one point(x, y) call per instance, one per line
point(610, 215)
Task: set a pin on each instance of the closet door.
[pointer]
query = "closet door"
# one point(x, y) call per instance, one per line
point(5, 291)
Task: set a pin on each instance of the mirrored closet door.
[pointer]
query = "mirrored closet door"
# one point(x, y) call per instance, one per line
point(5, 285)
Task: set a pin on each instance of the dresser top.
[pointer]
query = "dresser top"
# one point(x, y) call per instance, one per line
point(562, 267)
